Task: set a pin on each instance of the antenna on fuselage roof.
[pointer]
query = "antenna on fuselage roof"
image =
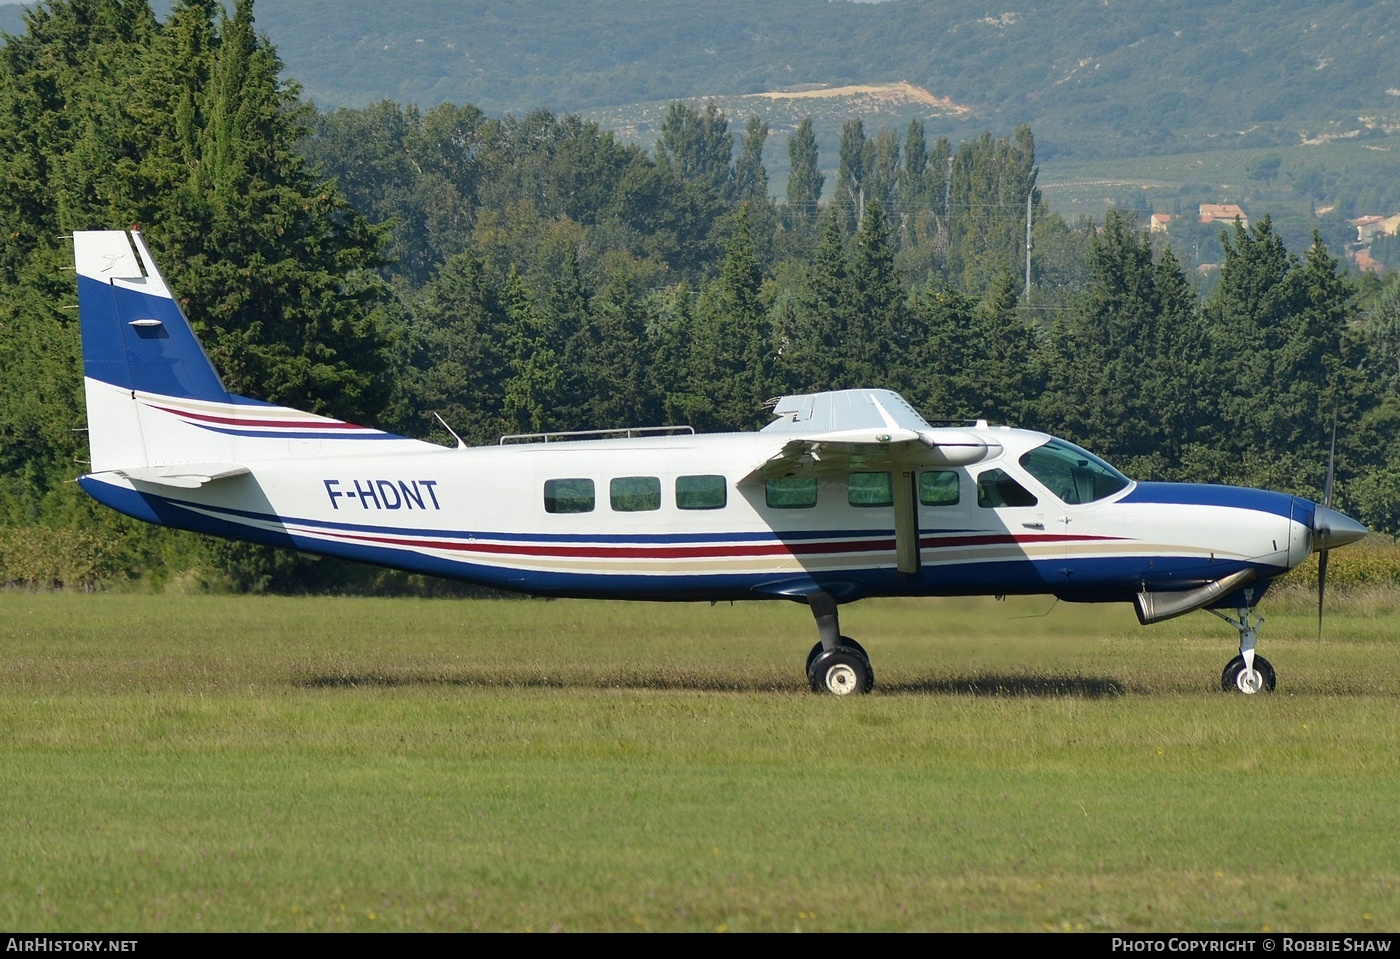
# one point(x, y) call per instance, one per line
point(460, 444)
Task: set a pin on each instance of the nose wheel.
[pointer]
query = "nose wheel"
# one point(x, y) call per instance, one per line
point(1238, 678)
point(1247, 673)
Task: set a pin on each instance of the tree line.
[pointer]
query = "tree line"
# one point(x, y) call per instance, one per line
point(517, 274)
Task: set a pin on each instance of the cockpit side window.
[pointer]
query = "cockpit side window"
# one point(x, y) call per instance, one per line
point(1072, 474)
point(996, 488)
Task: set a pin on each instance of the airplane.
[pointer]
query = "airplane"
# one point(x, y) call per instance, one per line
point(844, 495)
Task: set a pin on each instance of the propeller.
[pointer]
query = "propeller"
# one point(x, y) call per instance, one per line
point(1322, 527)
point(1330, 528)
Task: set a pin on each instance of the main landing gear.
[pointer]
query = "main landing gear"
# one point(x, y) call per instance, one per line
point(1247, 673)
point(837, 664)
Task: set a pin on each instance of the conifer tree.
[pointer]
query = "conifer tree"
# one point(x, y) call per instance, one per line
point(1128, 365)
point(812, 355)
point(1276, 325)
point(185, 128)
point(877, 341)
point(457, 360)
point(729, 356)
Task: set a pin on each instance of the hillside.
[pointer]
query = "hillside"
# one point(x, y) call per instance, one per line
point(1189, 93)
point(1093, 77)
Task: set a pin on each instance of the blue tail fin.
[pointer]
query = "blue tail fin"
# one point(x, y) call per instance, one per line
point(156, 407)
point(134, 335)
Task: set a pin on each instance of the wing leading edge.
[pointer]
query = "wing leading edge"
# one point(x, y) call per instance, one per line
point(861, 429)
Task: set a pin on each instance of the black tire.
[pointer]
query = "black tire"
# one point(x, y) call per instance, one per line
point(1231, 679)
point(846, 641)
point(841, 672)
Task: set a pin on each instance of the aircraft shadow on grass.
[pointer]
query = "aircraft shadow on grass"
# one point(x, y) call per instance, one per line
point(1004, 685)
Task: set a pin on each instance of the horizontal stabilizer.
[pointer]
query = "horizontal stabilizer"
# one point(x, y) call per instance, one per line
point(184, 476)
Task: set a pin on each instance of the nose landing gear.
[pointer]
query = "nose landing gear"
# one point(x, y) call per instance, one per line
point(1247, 673)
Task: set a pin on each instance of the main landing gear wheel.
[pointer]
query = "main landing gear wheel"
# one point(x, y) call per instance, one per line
point(837, 664)
point(1237, 679)
point(841, 671)
point(846, 641)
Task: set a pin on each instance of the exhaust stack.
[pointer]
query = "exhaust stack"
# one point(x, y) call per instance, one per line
point(1155, 607)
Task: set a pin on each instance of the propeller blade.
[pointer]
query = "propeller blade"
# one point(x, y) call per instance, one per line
point(1322, 526)
point(1321, 587)
point(1331, 465)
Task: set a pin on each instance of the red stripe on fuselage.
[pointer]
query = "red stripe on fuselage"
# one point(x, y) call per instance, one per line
point(278, 424)
point(703, 552)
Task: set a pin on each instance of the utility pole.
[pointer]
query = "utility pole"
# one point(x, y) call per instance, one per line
point(948, 208)
point(1028, 246)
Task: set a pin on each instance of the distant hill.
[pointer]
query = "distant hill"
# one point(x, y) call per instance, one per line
point(1092, 77)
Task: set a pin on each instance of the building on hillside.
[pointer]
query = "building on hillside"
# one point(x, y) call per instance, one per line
point(1223, 213)
point(1159, 221)
point(1366, 227)
point(1374, 225)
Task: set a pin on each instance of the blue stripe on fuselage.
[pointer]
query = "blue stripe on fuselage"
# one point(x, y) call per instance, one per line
point(1202, 494)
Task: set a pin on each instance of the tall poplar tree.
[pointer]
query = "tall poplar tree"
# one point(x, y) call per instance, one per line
point(850, 175)
point(805, 180)
point(698, 144)
point(750, 181)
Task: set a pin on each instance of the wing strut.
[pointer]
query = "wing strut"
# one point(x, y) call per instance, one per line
point(906, 522)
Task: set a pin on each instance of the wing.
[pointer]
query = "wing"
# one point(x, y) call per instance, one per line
point(861, 429)
point(824, 433)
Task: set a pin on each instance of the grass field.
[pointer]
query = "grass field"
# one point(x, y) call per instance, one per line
point(217, 763)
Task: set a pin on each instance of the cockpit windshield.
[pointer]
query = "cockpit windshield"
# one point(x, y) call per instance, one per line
point(1073, 474)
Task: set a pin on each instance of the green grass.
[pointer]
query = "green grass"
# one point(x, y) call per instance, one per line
point(178, 763)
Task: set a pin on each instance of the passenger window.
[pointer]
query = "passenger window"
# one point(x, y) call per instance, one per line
point(701, 492)
point(791, 492)
point(568, 496)
point(635, 494)
point(869, 489)
point(995, 488)
point(938, 488)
